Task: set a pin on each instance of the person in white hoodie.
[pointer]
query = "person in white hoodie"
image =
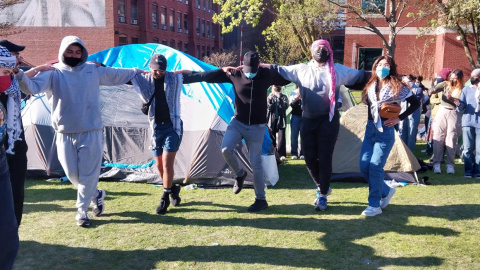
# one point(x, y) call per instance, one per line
point(72, 88)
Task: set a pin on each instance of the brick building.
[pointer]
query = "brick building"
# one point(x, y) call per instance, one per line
point(415, 55)
point(185, 25)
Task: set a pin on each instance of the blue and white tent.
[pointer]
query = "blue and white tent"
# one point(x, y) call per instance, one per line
point(206, 110)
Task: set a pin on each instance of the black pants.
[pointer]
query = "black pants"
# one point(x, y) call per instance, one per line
point(318, 142)
point(17, 165)
point(281, 143)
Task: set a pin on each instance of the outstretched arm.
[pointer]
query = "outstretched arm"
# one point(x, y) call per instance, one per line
point(34, 71)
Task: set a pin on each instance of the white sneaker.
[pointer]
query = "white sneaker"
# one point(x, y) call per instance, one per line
point(282, 158)
point(385, 201)
point(294, 157)
point(450, 169)
point(83, 218)
point(302, 157)
point(372, 211)
point(436, 169)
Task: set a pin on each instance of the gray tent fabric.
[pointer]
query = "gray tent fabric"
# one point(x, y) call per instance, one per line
point(127, 155)
point(401, 163)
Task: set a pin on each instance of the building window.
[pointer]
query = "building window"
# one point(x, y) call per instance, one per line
point(164, 42)
point(134, 40)
point(179, 21)
point(203, 28)
point(214, 30)
point(172, 44)
point(185, 23)
point(367, 56)
point(156, 40)
point(198, 51)
point(197, 26)
point(122, 40)
point(134, 12)
point(208, 5)
point(186, 48)
point(208, 29)
point(163, 18)
point(171, 20)
point(121, 11)
point(197, 3)
point(154, 16)
point(208, 51)
point(180, 46)
point(373, 6)
point(203, 51)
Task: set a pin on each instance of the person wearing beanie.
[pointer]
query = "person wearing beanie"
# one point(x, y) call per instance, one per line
point(319, 83)
point(251, 84)
point(9, 121)
point(74, 94)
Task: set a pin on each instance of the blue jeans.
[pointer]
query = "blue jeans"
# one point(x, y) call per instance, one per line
point(409, 129)
point(8, 222)
point(253, 136)
point(294, 133)
point(376, 147)
point(471, 141)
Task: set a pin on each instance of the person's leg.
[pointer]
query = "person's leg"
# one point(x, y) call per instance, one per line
point(308, 132)
point(476, 167)
point(403, 129)
point(327, 135)
point(8, 223)
point(294, 132)
point(367, 149)
point(439, 132)
point(231, 140)
point(18, 170)
point(451, 137)
point(282, 144)
point(469, 141)
point(413, 129)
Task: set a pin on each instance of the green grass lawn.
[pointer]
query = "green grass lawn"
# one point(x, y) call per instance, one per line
point(436, 227)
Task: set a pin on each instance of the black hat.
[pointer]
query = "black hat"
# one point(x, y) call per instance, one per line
point(11, 46)
point(158, 62)
point(250, 62)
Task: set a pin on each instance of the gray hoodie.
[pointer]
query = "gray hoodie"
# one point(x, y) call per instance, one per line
point(74, 93)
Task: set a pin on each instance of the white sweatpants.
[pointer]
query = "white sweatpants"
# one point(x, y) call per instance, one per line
point(80, 155)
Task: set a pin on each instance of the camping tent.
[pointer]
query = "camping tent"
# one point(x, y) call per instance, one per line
point(401, 163)
point(206, 110)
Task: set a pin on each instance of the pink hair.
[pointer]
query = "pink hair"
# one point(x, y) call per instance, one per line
point(331, 65)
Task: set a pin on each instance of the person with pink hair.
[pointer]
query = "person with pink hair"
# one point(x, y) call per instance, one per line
point(319, 81)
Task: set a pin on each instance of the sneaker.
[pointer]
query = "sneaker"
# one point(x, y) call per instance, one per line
point(450, 169)
point(436, 169)
point(321, 204)
point(372, 211)
point(175, 195)
point(282, 158)
point(98, 205)
point(258, 205)
point(83, 219)
point(467, 176)
point(237, 187)
point(294, 157)
point(302, 157)
point(385, 201)
point(164, 203)
point(319, 195)
point(477, 176)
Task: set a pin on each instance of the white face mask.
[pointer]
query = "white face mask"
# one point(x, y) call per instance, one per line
point(250, 75)
point(410, 84)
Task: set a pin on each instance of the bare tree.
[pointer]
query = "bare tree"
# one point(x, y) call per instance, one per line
point(423, 64)
point(222, 59)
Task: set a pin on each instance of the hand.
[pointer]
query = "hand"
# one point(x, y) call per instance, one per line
point(391, 122)
point(97, 64)
point(228, 70)
point(44, 67)
point(449, 95)
point(457, 102)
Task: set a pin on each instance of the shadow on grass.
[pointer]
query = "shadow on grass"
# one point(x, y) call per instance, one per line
point(196, 255)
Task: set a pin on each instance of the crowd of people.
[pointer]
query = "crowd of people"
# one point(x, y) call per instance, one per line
point(72, 86)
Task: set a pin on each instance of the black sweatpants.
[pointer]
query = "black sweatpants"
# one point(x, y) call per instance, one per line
point(17, 165)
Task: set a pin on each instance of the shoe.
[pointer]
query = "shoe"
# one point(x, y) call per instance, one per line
point(164, 204)
point(321, 204)
point(282, 158)
point(385, 201)
point(294, 157)
point(423, 151)
point(320, 195)
point(302, 157)
point(436, 169)
point(175, 195)
point(98, 205)
point(450, 169)
point(83, 219)
point(467, 176)
point(258, 205)
point(237, 187)
point(372, 211)
point(477, 176)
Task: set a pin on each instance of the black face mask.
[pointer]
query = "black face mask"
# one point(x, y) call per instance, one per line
point(452, 82)
point(474, 80)
point(72, 61)
point(321, 56)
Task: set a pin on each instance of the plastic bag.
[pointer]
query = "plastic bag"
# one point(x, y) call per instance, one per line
point(270, 169)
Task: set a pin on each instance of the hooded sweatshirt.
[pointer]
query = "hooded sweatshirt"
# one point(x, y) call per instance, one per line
point(74, 92)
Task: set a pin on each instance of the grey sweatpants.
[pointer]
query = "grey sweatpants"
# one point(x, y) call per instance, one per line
point(446, 128)
point(80, 155)
point(253, 135)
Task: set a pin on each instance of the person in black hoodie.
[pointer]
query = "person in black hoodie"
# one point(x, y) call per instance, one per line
point(249, 121)
point(277, 118)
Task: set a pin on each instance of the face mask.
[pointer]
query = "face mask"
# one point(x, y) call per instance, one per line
point(72, 61)
point(321, 56)
point(410, 84)
point(5, 83)
point(473, 80)
point(416, 84)
point(382, 72)
point(452, 82)
point(250, 75)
